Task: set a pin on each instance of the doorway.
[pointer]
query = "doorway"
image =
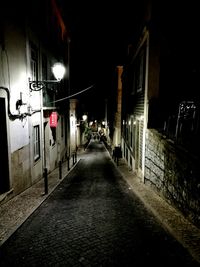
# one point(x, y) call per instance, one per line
point(4, 161)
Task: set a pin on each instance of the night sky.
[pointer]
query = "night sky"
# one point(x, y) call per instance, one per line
point(100, 33)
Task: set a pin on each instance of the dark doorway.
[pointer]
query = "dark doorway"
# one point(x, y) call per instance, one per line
point(4, 171)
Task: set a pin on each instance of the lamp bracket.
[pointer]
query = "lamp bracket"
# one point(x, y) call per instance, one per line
point(39, 85)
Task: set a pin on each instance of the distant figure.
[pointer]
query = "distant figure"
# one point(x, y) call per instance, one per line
point(117, 154)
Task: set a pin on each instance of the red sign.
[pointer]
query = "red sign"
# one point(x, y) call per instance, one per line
point(53, 119)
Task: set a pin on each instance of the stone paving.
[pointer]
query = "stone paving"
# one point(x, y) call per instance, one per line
point(17, 210)
point(172, 220)
point(14, 212)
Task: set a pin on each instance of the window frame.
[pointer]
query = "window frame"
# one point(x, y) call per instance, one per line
point(34, 61)
point(36, 142)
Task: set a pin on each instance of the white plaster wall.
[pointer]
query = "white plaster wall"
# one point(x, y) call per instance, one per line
point(15, 79)
point(18, 134)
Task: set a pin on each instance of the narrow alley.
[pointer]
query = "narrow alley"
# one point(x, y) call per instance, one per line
point(92, 218)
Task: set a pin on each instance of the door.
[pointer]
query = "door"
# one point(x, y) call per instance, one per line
point(4, 162)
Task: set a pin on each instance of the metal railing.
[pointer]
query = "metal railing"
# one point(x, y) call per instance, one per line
point(183, 128)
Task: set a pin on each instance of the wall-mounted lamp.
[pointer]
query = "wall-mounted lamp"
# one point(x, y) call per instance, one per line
point(20, 102)
point(58, 70)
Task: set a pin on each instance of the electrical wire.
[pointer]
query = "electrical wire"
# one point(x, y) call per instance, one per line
point(80, 92)
point(22, 116)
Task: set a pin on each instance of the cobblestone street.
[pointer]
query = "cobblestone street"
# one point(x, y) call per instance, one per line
point(94, 218)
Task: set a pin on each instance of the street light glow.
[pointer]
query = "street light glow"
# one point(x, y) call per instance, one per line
point(59, 71)
point(84, 117)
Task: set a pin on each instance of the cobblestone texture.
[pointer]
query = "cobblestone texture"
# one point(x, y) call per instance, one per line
point(93, 217)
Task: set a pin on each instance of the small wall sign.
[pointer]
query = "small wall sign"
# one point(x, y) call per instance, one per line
point(53, 119)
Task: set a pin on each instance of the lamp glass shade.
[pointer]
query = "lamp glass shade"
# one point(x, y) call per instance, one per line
point(58, 71)
point(84, 117)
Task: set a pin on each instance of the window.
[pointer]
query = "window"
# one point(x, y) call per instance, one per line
point(140, 72)
point(34, 62)
point(62, 126)
point(36, 140)
point(53, 130)
point(44, 67)
point(134, 80)
point(44, 77)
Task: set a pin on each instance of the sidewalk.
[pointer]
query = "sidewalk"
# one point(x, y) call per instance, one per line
point(14, 212)
point(173, 221)
point(17, 210)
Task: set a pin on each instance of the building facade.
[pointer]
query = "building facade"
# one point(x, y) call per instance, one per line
point(160, 109)
point(32, 40)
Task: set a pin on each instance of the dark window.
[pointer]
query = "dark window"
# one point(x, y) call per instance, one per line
point(140, 72)
point(44, 67)
point(34, 62)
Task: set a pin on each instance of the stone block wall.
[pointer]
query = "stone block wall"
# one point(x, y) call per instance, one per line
point(174, 174)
